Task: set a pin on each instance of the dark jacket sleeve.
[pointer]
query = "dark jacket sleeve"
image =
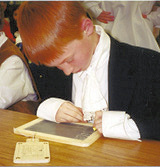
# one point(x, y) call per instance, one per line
point(145, 104)
point(134, 86)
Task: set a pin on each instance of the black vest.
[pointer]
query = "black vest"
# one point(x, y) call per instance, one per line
point(51, 82)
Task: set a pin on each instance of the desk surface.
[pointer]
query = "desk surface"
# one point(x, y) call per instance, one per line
point(104, 152)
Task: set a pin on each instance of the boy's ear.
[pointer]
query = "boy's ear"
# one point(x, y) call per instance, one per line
point(87, 26)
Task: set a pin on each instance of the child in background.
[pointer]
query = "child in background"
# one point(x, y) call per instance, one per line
point(6, 26)
point(115, 85)
point(15, 82)
point(13, 19)
point(123, 20)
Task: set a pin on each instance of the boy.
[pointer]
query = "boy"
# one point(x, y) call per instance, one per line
point(115, 85)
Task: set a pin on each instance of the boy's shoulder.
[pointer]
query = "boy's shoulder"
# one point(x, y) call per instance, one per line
point(128, 48)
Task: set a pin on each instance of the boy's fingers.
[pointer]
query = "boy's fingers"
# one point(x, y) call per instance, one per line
point(69, 113)
point(98, 121)
point(74, 112)
point(69, 119)
point(98, 115)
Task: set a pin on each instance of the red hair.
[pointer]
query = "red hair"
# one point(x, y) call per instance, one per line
point(47, 26)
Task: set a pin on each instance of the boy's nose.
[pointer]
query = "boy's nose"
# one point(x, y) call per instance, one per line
point(67, 69)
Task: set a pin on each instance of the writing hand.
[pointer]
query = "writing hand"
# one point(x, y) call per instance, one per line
point(98, 121)
point(105, 17)
point(69, 113)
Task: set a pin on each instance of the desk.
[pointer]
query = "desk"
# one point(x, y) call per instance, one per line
point(104, 152)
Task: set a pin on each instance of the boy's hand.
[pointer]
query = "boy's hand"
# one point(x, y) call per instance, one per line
point(105, 17)
point(69, 113)
point(98, 121)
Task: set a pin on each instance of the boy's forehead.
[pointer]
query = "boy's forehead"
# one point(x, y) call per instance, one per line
point(58, 61)
point(68, 51)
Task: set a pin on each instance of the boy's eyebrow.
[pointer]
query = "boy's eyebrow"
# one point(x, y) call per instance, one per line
point(65, 60)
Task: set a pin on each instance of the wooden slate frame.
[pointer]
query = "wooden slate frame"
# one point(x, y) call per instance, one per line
point(84, 139)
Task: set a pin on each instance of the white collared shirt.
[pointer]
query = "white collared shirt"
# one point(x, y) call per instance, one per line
point(99, 63)
point(114, 124)
point(15, 82)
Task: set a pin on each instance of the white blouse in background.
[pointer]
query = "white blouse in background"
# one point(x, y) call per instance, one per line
point(15, 82)
point(128, 26)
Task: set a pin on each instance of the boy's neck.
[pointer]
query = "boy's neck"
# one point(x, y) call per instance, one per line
point(96, 38)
